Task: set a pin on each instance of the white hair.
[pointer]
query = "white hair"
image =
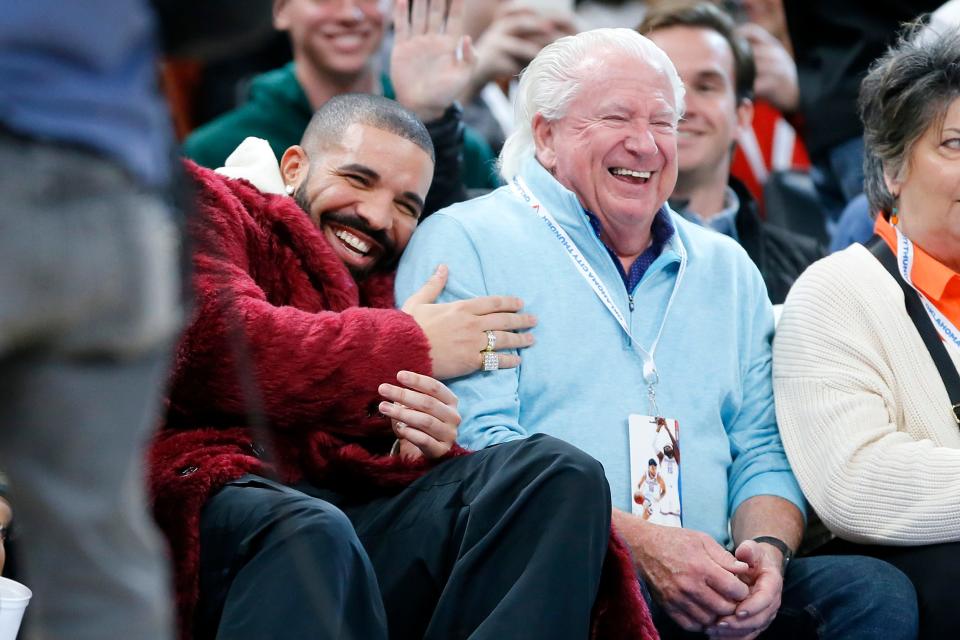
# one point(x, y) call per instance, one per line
point(552, 79)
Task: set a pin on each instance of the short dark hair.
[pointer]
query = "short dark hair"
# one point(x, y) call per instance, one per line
point(905, 92)
point(330, 121)
point(706, 15)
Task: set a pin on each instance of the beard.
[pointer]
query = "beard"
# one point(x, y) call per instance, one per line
point(389, 256)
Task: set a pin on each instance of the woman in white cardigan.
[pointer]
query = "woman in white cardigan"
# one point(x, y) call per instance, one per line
point(865, 414)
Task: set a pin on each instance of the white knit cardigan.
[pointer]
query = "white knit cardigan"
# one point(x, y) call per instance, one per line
point(864, 416)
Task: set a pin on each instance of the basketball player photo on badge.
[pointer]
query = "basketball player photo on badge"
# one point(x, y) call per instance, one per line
point(655, 469)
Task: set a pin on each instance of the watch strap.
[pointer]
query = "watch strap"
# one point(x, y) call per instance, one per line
point(779, 544)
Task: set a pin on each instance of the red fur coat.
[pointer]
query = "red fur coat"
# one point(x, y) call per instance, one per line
point(283, 337)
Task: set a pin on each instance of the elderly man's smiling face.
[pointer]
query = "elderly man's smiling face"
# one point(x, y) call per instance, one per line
point(616, 146)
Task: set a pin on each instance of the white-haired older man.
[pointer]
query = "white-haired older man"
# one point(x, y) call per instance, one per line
point(644, 316)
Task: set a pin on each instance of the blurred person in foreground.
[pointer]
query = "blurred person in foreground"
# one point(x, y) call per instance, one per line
point(90, 294)
point(863, 400)
point(307, 478)
point(639, 311)
point(716, 67)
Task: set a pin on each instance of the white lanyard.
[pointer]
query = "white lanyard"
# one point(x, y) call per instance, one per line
point(945, 328)
point(586, 271)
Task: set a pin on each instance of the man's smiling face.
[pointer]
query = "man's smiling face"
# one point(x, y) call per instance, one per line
point(616, 145)
point(713, 116)
point(337, 37)
point(364, 191)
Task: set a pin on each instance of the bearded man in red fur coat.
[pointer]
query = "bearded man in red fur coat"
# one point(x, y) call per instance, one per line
point(307, 476)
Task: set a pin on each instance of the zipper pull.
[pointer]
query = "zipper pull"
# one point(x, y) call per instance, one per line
point(630, 298)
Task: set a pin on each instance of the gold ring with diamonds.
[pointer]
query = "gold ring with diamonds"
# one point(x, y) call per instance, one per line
point(491, 341)
point(491, 361)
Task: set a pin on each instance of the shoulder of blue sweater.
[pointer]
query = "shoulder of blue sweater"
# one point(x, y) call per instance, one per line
point(493, 213)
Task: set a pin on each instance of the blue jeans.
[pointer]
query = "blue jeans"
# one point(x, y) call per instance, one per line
point(834, 597)
point(89, 308)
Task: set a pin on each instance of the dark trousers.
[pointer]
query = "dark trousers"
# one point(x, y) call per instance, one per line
point(507, 542)
point(935, 572)
point(833, 597)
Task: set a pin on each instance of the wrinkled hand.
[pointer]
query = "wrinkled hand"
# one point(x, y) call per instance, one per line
point(694, 578)
point(776, 80)
point(424, 414)
point(456, 330)
point(513, 39)
point(432, 60)
point(757, 611)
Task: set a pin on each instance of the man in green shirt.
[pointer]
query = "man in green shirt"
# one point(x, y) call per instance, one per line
point(335, 45)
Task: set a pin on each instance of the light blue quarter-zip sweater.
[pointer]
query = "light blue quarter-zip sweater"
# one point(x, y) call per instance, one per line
point(583, 378)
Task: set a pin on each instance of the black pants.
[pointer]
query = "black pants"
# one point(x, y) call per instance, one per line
point(935, 572)
point(504, 543)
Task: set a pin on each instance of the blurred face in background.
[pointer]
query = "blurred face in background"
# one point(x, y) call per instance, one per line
point(337, 37)
point(713, 118)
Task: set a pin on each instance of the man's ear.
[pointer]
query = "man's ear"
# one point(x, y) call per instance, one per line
point(543, 141)
point(294, 166)
point(744, 115)
point(281, 22)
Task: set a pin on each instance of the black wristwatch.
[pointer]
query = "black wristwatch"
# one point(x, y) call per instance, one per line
point(781, 545)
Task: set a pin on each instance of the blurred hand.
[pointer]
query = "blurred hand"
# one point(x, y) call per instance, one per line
point(432, 60)
point(776, 71)
point(457, 330)
point(424, 415)
point(757, 611)
point(513, 39)
point(6, 516)
point(695, 579)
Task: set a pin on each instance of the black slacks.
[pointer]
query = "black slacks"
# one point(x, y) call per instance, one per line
point(507, 542)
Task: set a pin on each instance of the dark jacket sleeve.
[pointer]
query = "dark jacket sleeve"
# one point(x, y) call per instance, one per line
point(447, 187)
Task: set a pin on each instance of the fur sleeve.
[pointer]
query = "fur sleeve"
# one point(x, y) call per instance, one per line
point(245, 352)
